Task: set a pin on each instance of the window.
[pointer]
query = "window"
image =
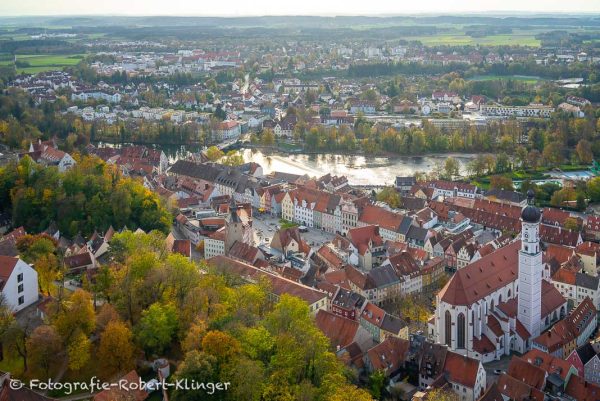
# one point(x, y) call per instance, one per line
point(20, 288)
point(448, 323)
point(461, 331)
point(21, 300)
point(19, 277)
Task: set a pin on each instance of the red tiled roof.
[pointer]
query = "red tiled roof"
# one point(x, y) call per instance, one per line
point(559, 252)
point(515, 389)
point(565, 276)
point(555, 338)
point(527, 373)
point(483, 345)
point(581, 390)
point(483, 276)
point(582, 316)
point(338, 329)
point(461, 369)
point(7, 265)
point(373, 314)
point(376, 215)
point(389, 355)
point(494, 325)
point(183, 246)
point(243, 251)
point(588, 248)
point(361, 236)
point(549, 363)
point(522, 331)
point(552, 299)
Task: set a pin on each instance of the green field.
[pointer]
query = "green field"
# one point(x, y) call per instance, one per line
point(43, 62)
point(520, 39)
point(522, 78)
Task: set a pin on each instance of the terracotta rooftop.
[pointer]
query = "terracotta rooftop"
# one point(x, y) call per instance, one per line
point(461, 369)
point(389, 355)
point(482, 277)
point(338, 329)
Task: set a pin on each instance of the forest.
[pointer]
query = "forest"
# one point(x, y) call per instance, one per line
point(90, 196)
point(213, 327)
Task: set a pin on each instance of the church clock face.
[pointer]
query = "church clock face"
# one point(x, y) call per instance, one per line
point(526, 235)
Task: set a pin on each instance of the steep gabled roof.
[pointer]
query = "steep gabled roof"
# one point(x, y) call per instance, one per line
point(340, 330)
point(483, 276)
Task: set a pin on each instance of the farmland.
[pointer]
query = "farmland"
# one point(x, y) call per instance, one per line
point(34, 63)
point(522, 78)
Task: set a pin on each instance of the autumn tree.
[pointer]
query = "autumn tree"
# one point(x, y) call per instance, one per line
point(584, 151)
point(116, 349)
point(390, 196)
point(43, 346)
point(221, 345)
point(214, 154)
point(79, 351)
point(194, 336)
point(233, 158)
point(76, 316)
point(553, 153)
point(106, 314)
point(571, 224)
point(501, 182)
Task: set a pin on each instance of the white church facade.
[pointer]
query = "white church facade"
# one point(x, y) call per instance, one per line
point(501, 302)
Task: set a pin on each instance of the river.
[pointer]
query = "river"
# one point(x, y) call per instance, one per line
point(360, 170)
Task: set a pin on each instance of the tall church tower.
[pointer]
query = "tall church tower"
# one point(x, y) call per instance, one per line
point(530, 269)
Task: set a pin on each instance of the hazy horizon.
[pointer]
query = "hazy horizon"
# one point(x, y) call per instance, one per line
point(238, 8)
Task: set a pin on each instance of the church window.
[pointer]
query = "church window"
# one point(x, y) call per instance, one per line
point(461, 331)
point(448, 323)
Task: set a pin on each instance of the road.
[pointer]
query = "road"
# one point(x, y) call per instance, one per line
point(490, 367)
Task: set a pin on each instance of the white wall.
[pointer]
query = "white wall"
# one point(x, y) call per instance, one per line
point(30, 286)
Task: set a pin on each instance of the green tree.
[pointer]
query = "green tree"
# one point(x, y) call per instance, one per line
point(157, 327)
point(267, 137)
point(377, 381)
point(214, 154)
point(451, 168)
point(199, 367)
point(390, 196)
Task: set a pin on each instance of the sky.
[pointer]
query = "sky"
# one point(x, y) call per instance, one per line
point(286, 7)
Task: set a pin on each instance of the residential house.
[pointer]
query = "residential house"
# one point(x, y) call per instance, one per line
point(18, 283)
point(367, 246)
point(342, 331)
point(388, 356)
point(227, 130)
point(382, 325)
point(587, 362)
point(405, 184)
point(392, 226)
